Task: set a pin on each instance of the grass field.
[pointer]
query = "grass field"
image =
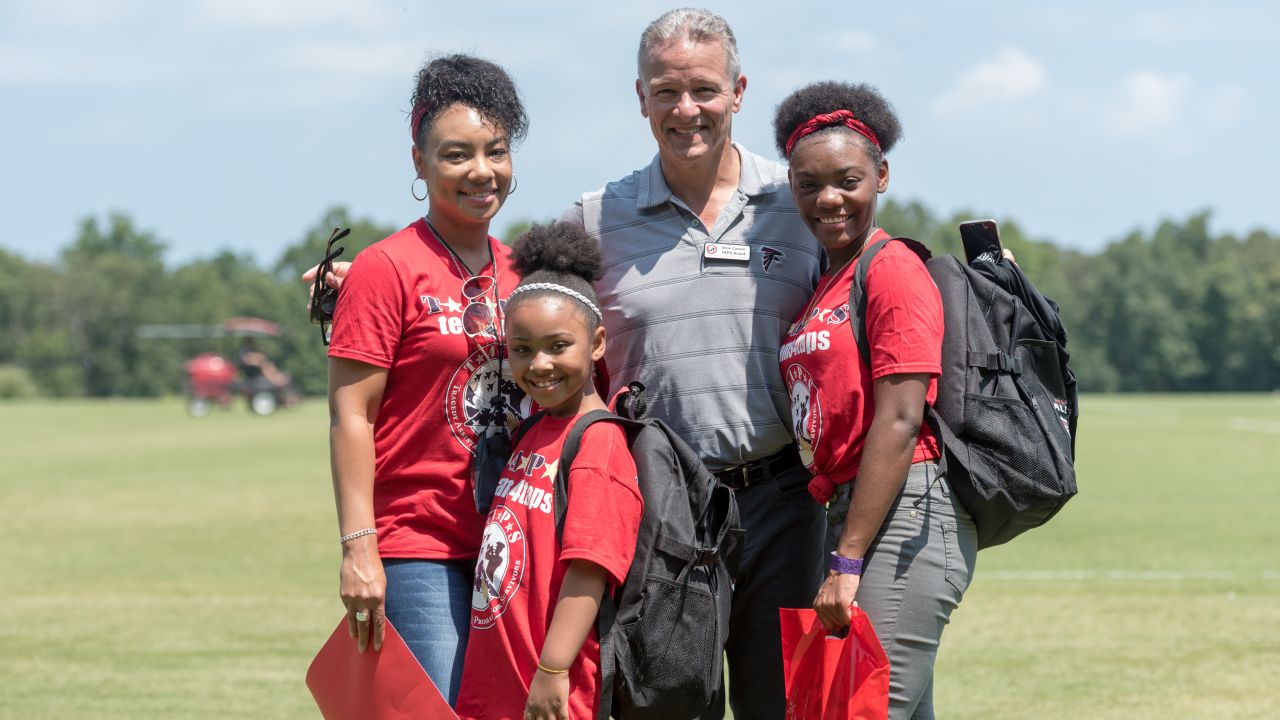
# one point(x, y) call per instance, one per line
point(156, 566)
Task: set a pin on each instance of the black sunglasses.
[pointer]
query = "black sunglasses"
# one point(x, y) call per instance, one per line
point(324, 299)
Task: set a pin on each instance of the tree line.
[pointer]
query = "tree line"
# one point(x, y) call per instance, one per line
point(1174, 309)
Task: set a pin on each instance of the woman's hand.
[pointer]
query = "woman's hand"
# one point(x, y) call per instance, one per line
point(834, 600)
point(363, 587)
point(548, 697)
point(333, 279)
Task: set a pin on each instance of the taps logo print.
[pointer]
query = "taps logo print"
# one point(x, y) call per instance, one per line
point(838, 315)
point(499, 568)
point(483, 398)
point(806, 410)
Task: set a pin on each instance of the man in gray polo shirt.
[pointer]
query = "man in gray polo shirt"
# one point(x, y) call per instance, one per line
point(706, 262)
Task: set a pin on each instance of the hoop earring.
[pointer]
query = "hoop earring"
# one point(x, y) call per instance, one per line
point(514, 183)
point(413, 189)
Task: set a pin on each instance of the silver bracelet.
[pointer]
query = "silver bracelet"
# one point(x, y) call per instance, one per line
point(359, 533)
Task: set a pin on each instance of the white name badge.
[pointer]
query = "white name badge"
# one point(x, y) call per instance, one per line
point(724, 251)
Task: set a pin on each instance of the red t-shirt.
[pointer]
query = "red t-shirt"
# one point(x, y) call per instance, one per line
point(401, 309)
point(520, 569)
point(831, 387)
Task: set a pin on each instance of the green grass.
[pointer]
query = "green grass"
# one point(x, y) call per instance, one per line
point(157, 566)
point(1178, 498)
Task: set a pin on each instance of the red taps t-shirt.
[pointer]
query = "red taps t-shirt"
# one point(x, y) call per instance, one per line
point(520, 569)
point(831, 387)
point(401, 309)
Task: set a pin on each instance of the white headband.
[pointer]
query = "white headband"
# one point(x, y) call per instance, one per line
point(561, 289)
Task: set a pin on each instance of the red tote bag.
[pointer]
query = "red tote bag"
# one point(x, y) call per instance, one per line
point(829, 677)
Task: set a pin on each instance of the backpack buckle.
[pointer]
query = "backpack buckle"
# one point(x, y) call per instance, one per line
point(997, 361)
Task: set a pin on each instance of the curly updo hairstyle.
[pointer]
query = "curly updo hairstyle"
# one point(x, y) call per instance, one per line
point(476, 83)
point(864, 101)
point(560, 254)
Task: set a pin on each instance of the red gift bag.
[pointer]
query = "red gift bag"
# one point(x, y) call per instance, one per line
point(829, 677)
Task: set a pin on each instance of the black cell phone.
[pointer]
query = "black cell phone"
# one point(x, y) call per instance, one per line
point(981, 240)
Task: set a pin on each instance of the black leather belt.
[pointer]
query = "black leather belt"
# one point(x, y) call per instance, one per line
point(740, 477)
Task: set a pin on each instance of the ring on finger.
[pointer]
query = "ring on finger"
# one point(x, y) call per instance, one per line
point(362, 615)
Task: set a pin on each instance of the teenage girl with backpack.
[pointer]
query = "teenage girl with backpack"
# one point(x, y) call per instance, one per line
point(901, 545)
point(533, 651)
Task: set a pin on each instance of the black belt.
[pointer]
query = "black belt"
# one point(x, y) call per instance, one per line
point(741, 477)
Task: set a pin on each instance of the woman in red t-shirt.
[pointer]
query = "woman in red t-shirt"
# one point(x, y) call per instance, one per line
point(417, 376)
point(533, 651)
point(900, 543)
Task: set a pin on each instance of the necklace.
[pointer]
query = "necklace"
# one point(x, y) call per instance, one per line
point(455, 257)
point(813, 301)
point(469, 277)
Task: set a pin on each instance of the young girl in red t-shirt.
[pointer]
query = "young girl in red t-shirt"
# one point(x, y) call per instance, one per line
point(533, 651)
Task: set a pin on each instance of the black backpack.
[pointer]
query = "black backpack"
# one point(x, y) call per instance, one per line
point(663, 631)
point(1007, 405)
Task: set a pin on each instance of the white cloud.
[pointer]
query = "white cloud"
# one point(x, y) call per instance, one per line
point(290, 14)
point(374, 61)
point(1226, 106)
point(1207, 25)
point(1149, 103)
point(77, 66)
point(1010, 77)
point(76, 14)
point(853, 41)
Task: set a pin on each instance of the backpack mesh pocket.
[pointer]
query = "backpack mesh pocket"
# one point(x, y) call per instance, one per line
point(677, 651)
point(1000, 434)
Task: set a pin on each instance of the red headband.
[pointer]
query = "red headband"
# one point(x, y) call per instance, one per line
point(419, 112)
point(839, 117)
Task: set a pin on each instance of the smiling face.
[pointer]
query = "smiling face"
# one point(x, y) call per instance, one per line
point(689, 99)
point(552, 353)
point(835, 184)
point(466, 162)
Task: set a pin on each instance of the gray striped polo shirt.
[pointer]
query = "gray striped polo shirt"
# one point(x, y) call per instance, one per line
point(703, 333)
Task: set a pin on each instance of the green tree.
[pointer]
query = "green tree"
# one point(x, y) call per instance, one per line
point(302, 353)
point(113, 281)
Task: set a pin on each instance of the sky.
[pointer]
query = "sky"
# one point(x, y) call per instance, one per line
point(234, 124)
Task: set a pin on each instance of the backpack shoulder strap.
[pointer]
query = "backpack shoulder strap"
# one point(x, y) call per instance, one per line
point(524, 426)
point(858, 324)
point(608, 606)
point(569, 452)
point(858, 289)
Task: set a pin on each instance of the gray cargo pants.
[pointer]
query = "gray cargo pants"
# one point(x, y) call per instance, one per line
point(916, 572)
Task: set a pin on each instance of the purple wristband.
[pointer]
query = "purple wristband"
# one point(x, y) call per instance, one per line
point(845, 566)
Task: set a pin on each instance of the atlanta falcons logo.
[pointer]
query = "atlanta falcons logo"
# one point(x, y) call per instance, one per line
point(768, 256)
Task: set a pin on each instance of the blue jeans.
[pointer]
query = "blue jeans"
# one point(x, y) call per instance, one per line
point(429, 603)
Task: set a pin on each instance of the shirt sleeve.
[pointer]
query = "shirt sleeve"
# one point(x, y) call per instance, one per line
point(603, 517)
point(904, 315)
point(367, 321)
point(573, 215)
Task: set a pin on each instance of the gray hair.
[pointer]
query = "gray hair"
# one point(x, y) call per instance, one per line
point(694, 25)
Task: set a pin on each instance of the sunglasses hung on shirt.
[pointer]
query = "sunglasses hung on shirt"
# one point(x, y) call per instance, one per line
point(493, 449)
point(324, 298)
point(479, 319)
